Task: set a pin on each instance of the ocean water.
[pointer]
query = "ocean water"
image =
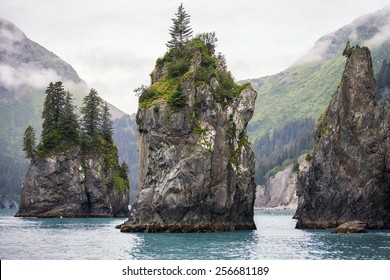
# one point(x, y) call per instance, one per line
point(97, 239)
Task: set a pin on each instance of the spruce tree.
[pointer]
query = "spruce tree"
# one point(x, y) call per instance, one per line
point(53, 109)
point(68, 125)
point(348, 50)
point(180, 31)
point(29, 142)
point(106, 126)
point(178, 99)
point(92, 114)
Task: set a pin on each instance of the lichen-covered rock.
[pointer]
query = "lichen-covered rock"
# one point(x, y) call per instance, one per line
point(71, 184)
point(349, 173)
point(196, 163)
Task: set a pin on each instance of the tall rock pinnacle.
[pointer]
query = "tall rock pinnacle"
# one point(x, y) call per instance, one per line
point(196, 163)
point(349, 173)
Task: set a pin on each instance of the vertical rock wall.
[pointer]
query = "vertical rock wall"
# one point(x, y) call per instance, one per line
point(349, 174)
point(196, 163)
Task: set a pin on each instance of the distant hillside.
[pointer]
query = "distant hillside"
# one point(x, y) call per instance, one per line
point(304, 89)
point(26, 69)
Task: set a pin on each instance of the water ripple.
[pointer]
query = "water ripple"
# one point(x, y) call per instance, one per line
point(94, 238)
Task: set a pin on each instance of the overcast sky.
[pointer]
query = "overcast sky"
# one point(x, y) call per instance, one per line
point(114, 44)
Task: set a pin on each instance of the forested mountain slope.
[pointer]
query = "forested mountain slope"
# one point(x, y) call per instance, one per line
point(304, 89)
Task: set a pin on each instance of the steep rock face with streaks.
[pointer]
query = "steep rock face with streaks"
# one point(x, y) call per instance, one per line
point(196, 163)
point(72, 184)
point(349, 173)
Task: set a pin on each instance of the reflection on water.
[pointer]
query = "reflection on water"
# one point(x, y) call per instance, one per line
point(96, 238)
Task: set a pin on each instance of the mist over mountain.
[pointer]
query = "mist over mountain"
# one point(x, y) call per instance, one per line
point(25, 64)
point(303, 90)
point(26, 69)
point(371, 30)
point(287, 107)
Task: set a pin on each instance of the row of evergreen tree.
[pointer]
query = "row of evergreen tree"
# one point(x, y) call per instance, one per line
point(62, 128)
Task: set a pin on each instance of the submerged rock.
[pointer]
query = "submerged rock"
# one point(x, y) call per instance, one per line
point(351, 227)
point(349, 173)
point(196, 163)
point(71, 184)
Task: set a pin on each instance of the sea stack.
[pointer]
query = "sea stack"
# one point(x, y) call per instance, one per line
point(74, 170)
point(349, 170)
point(196, 163)
point(71, 184)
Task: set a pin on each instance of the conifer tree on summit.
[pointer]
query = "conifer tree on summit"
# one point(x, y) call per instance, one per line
point(92, 114)
point(60, 127)
point(53, 109)
point(69, 125)
point(106, 125)
point(180, 31)
point(29, 142)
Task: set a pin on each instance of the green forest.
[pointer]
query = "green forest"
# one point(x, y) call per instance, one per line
point(62, 129)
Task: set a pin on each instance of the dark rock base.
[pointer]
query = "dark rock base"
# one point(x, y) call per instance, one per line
point(315, 225)
point(332, 225)
point(54, 214)
point(185, 228)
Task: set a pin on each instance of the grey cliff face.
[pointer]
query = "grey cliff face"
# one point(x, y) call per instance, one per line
point(196, 163)
point(7, 203)
point(348, 177)
point(69, 185)
point(280, 190)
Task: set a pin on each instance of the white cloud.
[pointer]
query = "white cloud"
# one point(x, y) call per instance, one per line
point(316, 53)
point(26, 75)
point(113, 44)
point(380, 37)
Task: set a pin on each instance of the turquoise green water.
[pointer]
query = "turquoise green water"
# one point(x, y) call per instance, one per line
point(275, 238)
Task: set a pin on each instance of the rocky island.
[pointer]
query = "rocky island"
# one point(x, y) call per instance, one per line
point(74, 172)
point(196, 163)
point(349, 170)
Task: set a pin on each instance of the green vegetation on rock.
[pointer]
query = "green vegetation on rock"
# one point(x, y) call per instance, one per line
point(194, 60)
point(61, 132)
